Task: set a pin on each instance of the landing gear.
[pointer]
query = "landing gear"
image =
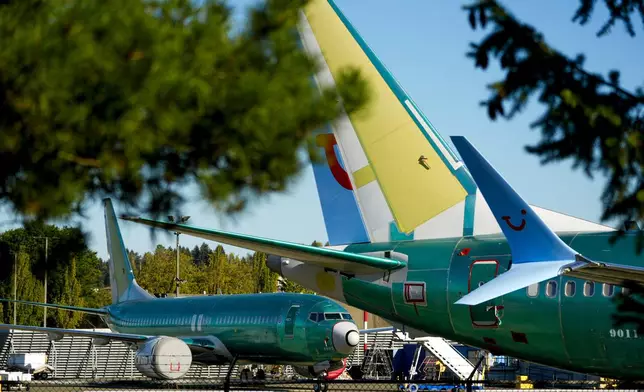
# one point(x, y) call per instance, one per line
point(230, 372)
point(322, 385)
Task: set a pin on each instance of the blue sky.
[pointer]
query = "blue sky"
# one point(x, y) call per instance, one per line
point(423, 43)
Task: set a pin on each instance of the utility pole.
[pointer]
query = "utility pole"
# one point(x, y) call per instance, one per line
point(15, 287)
point(45, 296)
point(45, 301)
point(177, 277)
point(179, 219)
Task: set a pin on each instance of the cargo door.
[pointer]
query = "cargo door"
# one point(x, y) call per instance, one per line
point(484, 314)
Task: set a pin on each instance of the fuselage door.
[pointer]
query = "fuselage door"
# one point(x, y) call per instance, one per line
point(485, 314)
point(289, 322)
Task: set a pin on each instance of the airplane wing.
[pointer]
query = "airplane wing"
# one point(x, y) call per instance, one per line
point(324, 257)
point(198, 345)
point(538, 253)
point(58, 333)
point(99, 312)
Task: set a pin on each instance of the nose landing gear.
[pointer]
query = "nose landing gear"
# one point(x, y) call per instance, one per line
point(322, 385)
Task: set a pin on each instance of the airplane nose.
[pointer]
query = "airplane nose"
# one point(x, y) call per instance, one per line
point(345, 337)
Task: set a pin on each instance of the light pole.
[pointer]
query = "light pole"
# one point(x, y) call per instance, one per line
point(45, 296)
point(15, 287)
point(179, 219)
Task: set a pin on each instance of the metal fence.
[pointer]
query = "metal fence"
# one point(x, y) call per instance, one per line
point(295, 385)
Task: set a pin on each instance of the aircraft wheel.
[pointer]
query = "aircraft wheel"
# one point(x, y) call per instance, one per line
point(321, 387)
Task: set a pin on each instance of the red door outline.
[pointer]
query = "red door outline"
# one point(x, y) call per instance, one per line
point(469, 289)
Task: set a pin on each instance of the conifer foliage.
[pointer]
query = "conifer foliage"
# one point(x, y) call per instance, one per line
point(589, 118)
point(133, 99)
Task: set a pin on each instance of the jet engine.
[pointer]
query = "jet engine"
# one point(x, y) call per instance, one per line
point(333, 369)
point(163, 358)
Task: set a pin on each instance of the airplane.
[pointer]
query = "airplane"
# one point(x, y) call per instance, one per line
point(312, 333)
point(414, 240)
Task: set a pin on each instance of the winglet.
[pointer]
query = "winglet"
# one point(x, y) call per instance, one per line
point(537, 252)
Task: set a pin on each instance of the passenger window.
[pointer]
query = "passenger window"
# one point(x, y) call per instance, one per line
point(608, 290)
point(570, 289)
point(533, 290)
point(589, 289)
point(313, 317)
point(551, 289)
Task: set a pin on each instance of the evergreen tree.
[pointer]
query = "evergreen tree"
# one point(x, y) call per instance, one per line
point(135, 261)
point(265, 279)
point(28, 289)
point(592, 119)
point(134, 98)
point(70, 295)
point(289, 286)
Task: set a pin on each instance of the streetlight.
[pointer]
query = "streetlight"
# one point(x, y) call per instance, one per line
point(179, 219)
point(45, 300)
point(15, 287)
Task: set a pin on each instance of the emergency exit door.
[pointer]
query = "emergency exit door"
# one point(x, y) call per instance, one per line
point(483, 314)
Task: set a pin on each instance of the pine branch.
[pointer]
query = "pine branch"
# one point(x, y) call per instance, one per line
point(589, 118)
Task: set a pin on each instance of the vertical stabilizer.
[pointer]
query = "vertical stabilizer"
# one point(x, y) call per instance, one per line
point(407, 183)
point(401, 171)
point(122, 282)
point(342, 218)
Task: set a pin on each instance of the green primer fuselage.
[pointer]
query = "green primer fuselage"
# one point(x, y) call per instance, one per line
point(264, 328)
point(558, 325)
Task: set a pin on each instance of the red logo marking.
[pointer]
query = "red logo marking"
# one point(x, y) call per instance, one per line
point(327, 141)
point(513, 227)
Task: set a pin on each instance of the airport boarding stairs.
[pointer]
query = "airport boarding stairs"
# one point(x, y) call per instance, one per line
point(445, 352)
point(440, 348)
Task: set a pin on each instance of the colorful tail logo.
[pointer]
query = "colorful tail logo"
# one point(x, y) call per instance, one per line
point(328, 142)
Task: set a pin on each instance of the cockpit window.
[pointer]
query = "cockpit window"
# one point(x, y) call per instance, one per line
point(346, 316)
point(313, 317)
point(332, 316)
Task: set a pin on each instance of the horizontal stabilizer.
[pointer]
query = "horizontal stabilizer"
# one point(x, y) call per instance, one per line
point(324, 257)
point(609, 273)
point(100, 312)
point(517, 277)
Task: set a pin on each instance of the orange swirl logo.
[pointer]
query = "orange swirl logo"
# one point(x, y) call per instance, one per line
point(328, 142)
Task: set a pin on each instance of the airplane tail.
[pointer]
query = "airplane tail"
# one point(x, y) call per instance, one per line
point(122, 281)
point(390, 172)
point(389, 175)
point(537, 253)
